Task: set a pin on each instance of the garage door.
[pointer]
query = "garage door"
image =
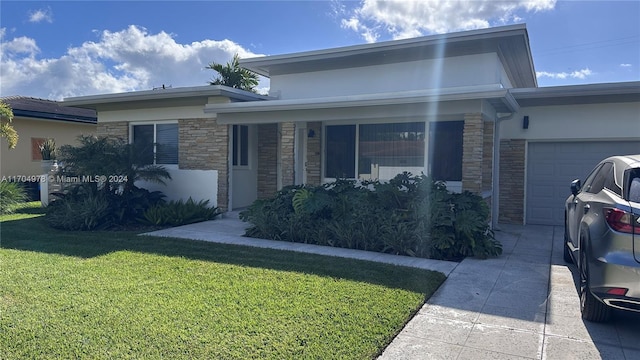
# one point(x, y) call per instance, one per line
point(551, 166)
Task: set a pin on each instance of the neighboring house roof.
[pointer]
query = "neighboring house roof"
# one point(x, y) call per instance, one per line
point(511, 43)
point(30, 107)
point(196, 95)
point(579, 94)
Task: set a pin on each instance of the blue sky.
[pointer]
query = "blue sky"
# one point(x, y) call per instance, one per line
point(57, 49)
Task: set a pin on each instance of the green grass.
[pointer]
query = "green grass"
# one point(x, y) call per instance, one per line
point(116, 295)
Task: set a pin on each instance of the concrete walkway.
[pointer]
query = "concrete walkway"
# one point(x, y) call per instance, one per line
point(522, 305)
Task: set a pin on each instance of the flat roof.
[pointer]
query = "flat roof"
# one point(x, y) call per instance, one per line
point(511, 43)
point(579, 94)
point(186, 93)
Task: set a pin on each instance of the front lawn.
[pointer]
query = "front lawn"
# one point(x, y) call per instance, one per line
point(119, 295)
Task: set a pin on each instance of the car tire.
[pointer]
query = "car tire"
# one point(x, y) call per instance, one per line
point(591, 308)
point(567, 252)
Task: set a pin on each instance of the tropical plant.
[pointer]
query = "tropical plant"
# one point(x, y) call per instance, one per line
point(48, 149)
point(7, 131)
point(233, 75)
point(175, 213)
point(11, 194)
point(111, 168)
point(408, 215)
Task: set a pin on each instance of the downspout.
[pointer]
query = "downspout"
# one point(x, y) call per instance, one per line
point(495, 200)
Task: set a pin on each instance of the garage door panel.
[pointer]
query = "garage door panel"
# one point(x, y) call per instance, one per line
point(551, 166)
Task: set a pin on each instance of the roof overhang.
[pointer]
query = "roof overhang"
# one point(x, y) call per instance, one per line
point(499, 98)
point(579, 94)
point(198, 95)
point(511, 43)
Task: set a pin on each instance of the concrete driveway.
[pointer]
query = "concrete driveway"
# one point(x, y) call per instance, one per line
point(522, 305)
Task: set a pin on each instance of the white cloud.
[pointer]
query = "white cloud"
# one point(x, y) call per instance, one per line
point(126, 60)
point(41, 15)
point(577, 74)
point(625, 65)
point(403, 19)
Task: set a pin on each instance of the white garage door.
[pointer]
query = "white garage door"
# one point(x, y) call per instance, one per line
point(551, 166)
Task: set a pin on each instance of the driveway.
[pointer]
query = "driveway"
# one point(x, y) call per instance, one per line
point(521, 305)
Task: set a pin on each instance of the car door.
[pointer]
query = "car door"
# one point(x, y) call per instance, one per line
point(575, 208)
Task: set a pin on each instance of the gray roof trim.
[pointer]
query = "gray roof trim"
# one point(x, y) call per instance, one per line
point(92, 101)
point(497, 97)
point(579, 94)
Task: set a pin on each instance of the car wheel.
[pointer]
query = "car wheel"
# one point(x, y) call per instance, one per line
point(567, 253)
point(590, 307)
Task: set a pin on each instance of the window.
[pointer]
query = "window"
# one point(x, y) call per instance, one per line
point(156, 143)
point(240, 153)
point(445, 150)
point(374, 151)
point(597, 183)
point(341, 151)
point(610, 182)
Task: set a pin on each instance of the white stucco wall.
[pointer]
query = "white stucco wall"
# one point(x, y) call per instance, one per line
point(197, 184)
point(573, 122)
point(470, 70)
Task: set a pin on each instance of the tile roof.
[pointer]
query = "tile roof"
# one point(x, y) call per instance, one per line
point(25, 106)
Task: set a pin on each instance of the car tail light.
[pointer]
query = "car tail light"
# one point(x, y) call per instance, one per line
point(622, 221)
point(617, 291)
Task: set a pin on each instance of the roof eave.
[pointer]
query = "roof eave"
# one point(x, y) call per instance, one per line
point(501, 96)
point(92, 101)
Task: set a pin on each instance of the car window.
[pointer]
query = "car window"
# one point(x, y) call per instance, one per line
point(597, 184)
point(587, 183)
point(610, 181)
point(634, 188)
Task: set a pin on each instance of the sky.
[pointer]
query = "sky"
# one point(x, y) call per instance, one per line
point(59, 49)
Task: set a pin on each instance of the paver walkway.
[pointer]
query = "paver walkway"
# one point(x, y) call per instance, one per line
point(522, 305)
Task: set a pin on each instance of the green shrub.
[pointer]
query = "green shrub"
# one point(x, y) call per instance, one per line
point(408, 215)
point(11, 195)
point(89, 207)
point(81, 211)
point(177, 213)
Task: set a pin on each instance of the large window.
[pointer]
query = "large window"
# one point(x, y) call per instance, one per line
point(240, 153)
point(445, 150)
point(382, 151)
point(156, 143)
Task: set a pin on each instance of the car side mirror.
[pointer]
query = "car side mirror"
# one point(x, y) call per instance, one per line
point(575, 187)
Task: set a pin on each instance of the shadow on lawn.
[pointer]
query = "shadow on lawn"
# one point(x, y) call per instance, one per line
point(34, 234)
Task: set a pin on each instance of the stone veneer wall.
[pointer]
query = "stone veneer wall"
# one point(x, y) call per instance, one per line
point(487, 157)
point(472, 153)
point(314, 156)
point(287, 153)
point(204, 145)
point(118, 130)
point(267, 160)
point(512, 161)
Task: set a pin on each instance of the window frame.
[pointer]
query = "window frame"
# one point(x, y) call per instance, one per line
point(155, 134)
point(357, 125)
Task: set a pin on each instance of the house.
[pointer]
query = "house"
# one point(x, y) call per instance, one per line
point(463, 107)
point(37, 120)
